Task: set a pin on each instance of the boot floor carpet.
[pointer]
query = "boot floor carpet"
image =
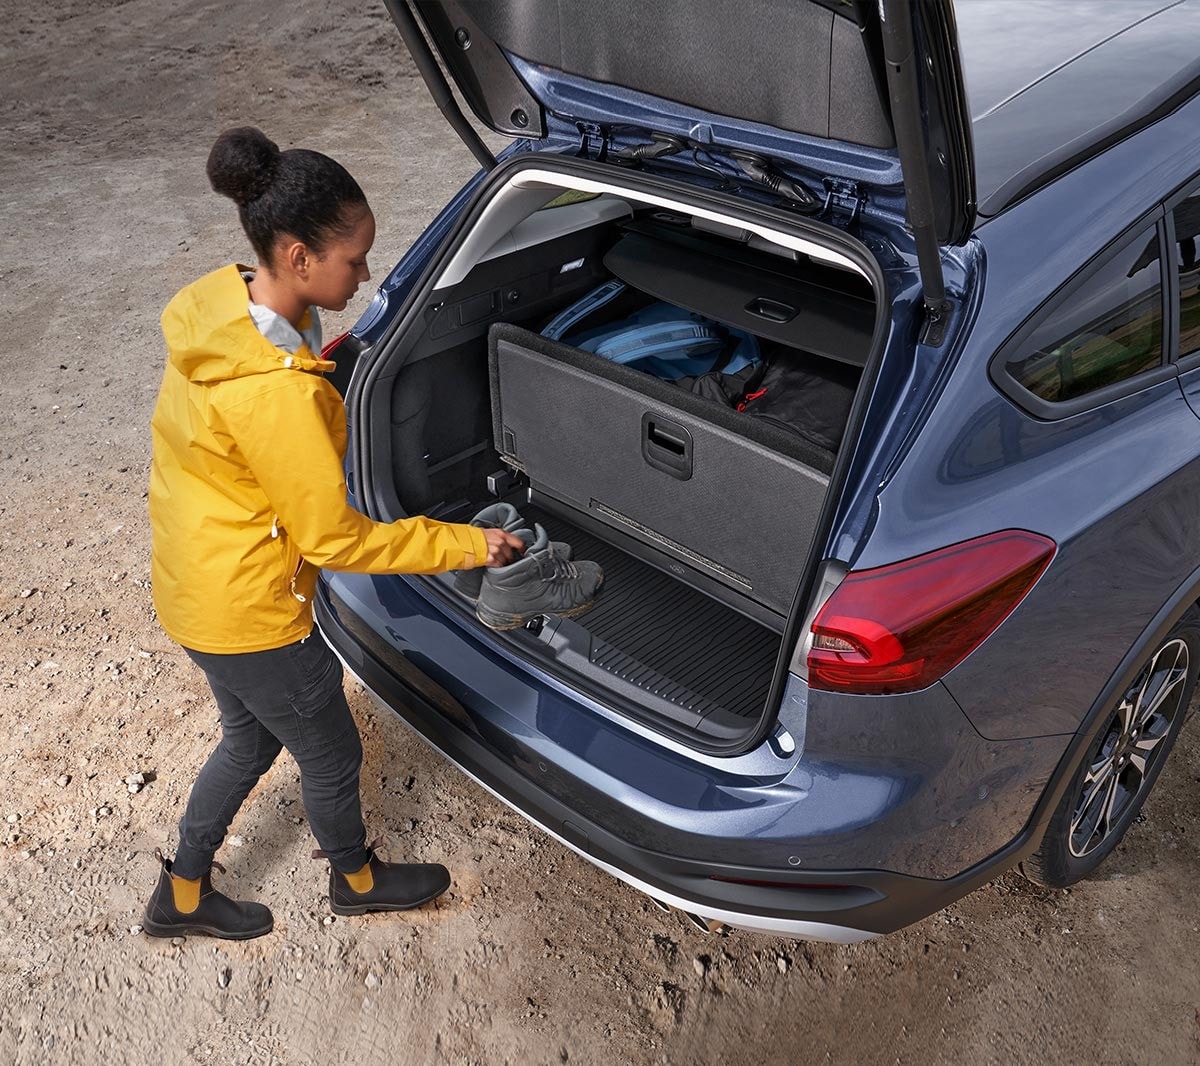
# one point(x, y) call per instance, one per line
point(660, 635)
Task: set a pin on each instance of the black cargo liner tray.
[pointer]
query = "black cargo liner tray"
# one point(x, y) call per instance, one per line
point(658, 635)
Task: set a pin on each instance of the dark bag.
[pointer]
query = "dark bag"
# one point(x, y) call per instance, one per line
point(806, 394)
point(723, 388)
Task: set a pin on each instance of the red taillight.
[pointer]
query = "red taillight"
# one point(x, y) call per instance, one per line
point(899, 628)
point(331, 347)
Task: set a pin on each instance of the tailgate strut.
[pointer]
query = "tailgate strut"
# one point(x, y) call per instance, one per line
point(439, 89)
point(901, 64)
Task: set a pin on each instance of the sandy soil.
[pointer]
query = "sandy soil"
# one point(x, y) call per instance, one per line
point(107, 112)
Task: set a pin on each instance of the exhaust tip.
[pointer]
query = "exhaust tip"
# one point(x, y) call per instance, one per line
point(705, 925)
point(664, 907)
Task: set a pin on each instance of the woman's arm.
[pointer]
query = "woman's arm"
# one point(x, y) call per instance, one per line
point(283, 431)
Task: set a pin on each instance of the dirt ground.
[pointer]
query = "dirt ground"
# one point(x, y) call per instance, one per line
point(107, 110)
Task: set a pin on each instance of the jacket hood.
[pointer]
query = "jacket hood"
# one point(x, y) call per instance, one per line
point(211, 337)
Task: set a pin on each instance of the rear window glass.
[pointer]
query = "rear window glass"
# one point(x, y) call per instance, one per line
point(1187, 240)
point(1107, 330)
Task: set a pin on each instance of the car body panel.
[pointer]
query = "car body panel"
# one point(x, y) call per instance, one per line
point(870, 785)
point(1110, 486)
point(1079, 78)
point(910, 800)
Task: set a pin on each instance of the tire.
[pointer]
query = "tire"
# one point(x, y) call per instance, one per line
point(1122, 763)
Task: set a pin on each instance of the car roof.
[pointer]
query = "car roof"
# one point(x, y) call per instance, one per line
point(1051, 82)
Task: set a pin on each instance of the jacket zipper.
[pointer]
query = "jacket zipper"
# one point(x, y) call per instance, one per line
point(299, 566)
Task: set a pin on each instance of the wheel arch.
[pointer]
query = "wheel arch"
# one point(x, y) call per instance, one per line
point(1185, 598)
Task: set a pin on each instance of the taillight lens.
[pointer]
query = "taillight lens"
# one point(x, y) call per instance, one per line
point(332, 346)
point(899, 628)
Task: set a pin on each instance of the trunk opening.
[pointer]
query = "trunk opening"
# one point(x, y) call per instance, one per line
point(702, 515)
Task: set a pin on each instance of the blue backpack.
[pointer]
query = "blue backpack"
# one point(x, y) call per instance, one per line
point(661, 339)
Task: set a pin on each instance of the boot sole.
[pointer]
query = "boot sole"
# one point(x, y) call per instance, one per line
point(158, 929)
point(371, 908)
point(499, 620)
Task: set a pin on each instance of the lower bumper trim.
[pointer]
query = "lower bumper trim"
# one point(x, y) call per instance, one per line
point(795, 928)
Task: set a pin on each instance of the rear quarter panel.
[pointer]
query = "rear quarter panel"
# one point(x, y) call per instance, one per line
point(1117, 488)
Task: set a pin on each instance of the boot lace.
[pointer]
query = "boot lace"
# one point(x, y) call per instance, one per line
point(561, 569)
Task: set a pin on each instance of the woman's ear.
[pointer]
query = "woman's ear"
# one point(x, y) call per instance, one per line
point(298, 257)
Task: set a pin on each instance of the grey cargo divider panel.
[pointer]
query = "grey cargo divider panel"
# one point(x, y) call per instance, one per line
point(724, 493)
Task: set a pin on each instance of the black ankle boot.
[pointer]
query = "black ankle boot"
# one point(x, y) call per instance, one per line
point(394, 886)
point(215, 914)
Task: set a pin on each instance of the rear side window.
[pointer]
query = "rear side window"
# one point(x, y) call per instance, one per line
point(1108, 329)
point(1187, 240)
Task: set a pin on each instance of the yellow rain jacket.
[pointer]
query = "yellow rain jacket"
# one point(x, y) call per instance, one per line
point(247, 493)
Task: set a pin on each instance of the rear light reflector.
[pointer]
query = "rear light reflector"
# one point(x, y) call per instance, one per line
point(779, 884)
point(901, 627)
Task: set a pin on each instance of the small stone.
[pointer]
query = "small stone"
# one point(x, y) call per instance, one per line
point(236, 841)
point(103, 812)
point(135, 779)
point(13, 819)
point(134, 930)
point(782, 963)
point(224, 977)
point(134, 788)
point(329, 919)
point(177, 941)
point(64, 780)
point(373, 980)
point(26, 593)
point(700, 965)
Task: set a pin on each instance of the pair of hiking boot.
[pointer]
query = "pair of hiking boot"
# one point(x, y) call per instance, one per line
point(545, 580)
point(191, 906)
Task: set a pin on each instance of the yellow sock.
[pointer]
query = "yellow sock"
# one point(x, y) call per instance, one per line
point(186, 893)
point(361, 880)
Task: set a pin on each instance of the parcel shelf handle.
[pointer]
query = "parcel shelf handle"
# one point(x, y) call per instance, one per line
point(771, 310)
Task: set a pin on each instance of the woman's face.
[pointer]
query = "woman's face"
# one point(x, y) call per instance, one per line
point(333, 276)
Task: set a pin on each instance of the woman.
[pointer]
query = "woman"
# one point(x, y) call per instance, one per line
point(247, 500)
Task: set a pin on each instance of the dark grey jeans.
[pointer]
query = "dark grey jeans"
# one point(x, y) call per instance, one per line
point(292, 698)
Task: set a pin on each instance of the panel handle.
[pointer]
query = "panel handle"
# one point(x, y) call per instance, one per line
point(666, 446)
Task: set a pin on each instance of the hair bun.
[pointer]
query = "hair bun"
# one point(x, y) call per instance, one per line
point(242, 164)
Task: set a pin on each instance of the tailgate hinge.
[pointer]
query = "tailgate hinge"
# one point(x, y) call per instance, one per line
point(843, 201)
point(589, 132)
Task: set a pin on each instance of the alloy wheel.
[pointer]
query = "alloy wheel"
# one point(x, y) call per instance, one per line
point(1128, 748)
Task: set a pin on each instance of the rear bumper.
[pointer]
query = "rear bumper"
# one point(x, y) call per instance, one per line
point(839, 905)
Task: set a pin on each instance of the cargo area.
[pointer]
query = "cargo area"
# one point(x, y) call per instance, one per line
point(694, 471)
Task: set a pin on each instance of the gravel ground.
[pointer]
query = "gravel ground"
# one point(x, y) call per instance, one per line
point(107, 112)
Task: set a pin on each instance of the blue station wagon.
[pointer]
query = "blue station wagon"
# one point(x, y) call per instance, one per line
point(911, 597)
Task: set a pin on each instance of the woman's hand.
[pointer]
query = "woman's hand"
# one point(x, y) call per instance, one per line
point(503, 548)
